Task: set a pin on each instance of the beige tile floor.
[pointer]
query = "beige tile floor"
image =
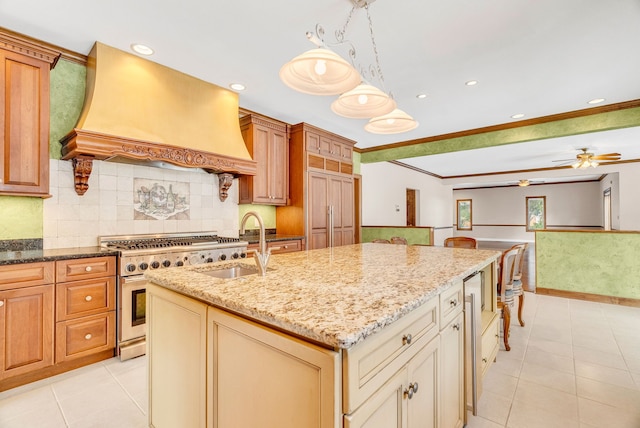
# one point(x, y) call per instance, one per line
point(574, 364)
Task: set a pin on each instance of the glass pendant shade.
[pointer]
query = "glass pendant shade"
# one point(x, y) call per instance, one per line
point(393, 123)
point(320, 71)
point(363, 102)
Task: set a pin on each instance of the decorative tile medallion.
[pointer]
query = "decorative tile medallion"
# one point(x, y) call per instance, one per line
point(160, 200)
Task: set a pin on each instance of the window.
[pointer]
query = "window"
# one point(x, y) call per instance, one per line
point(536, 213)
point(463, 214)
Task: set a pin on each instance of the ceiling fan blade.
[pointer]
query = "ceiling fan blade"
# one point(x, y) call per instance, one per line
point(563, 160)
point(610, 156)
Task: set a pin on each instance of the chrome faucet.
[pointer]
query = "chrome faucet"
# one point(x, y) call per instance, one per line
point(262, 255)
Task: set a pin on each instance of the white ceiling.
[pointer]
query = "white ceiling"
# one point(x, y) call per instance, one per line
point(538, 58)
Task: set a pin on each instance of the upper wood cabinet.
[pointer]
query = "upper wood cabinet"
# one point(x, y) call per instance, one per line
point(268, 143)
point(24, 117)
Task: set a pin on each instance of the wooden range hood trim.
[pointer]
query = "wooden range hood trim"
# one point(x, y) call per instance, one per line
point(84, 146)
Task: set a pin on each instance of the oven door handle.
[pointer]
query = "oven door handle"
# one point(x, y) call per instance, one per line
point(133, 279)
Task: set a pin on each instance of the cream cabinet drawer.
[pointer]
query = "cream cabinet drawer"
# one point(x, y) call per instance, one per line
point(83, 336)
point(370, 363)
point(490, 343)
point(92, 267)
point(26, 275)
point(81, 298)
point(451, 303)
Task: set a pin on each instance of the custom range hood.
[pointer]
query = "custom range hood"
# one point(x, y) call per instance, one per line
point(139, 111)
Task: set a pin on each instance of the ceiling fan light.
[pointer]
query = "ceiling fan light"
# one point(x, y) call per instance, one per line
point(393, 123)
point(362, 102)
point(320, 71)
point(594, 164)
point(523, 183)
point(576, 164)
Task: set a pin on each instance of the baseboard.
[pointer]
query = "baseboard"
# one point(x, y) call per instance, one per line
point(599, 298)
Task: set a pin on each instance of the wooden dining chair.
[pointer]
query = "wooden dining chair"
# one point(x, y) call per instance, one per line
point(381, 241)
point(517, 278)
point(461, 242)
point(398, 240)
point(505, 291)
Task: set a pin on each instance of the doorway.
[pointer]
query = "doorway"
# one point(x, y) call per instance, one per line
point(412, 207)
point(607, 208)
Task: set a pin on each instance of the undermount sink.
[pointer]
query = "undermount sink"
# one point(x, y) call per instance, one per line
point(232, 271)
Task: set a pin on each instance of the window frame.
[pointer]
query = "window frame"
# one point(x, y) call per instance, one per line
point(459, 203)
point(527, 213)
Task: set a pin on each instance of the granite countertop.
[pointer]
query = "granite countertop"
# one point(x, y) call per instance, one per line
point(39, 255)
point(334, 296)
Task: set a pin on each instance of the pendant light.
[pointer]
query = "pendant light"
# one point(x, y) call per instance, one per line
point(365, 101)
point(320, 71)
point(393, 123)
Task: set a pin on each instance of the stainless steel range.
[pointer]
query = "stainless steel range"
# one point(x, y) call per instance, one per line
point(139, 253)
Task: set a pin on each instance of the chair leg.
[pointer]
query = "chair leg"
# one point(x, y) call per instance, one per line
point(506, 317)
point(520, 305)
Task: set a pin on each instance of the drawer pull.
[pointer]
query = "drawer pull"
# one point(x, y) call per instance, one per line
point(88, 336)
point(406, 339)
point(87, 269)
point(453, 302)
point(456, 326)
point(1, 303)
point(484, 360)
point(88, 298)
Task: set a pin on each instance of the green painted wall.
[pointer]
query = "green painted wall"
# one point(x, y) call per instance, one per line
point(575, 126)
point(21, 217)
point(356, 162)
point(413, 235)
point(267, 212)
point(605, 263)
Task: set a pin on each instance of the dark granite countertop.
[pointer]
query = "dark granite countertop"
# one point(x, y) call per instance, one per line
point(253, 238)
point(28, 256)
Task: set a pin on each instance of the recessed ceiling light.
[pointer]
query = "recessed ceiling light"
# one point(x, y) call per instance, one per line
point(237, 86)
point(517, 116)
point(596, 101)
point(471, 82)
point(141, 49)
point(421, 96)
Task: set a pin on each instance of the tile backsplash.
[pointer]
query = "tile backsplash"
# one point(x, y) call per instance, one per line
point(116, 204)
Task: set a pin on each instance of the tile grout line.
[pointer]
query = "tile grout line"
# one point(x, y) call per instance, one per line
point(64, 417)
point(125, 390)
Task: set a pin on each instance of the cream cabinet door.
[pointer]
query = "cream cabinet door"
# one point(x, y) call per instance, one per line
point(421, 390)
point(259, 377)
point(386, 408)
point(452, 374)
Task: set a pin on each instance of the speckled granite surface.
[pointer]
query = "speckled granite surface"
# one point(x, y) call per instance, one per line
point(29, 256)
point(334, 296)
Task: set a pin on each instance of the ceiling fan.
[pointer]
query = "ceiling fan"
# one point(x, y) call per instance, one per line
point(587, 159)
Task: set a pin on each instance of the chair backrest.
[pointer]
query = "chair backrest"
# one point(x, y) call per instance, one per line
point(461, 242)
point(507, 262)
point(381, 241)
point(398, 240)
point(519, 262)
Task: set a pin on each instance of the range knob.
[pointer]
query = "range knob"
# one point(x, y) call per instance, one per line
point(130, 267)
point(155, 264)
point(143, 266)
point(209, 259)
point(179, 263)
point(235, 255)
point(166, 263)
point(222, 257)
point(243, 255)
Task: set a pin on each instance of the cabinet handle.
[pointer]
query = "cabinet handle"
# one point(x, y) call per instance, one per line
point(88, 336)
point(453, 302)
point(88, 298)
point(484, 360)
point(1, 303)
point(411, 390)
point(285, 247)
point(406, 339)
point(87, 269)
point(456, 326)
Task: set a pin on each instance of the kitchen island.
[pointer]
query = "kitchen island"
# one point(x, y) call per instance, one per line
point(361, 335)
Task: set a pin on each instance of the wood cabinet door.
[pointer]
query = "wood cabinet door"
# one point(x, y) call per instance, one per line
point(452, 406)
point(422, 411)
point(386, 408)
point(24, 125)
point(261, 144)
point(26, 329)
point(278, 167)
point(318, 210)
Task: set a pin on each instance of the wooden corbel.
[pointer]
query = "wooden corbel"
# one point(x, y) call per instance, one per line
point(225, 180)
point(82, 167)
